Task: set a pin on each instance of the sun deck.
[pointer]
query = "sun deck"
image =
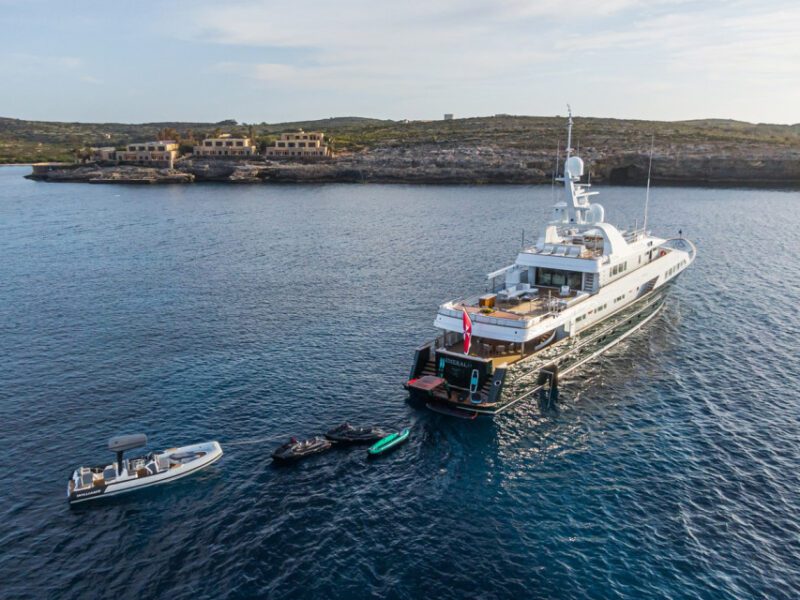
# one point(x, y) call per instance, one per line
point(534, 301)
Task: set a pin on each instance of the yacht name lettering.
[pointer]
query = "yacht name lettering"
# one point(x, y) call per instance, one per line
point(458, 363)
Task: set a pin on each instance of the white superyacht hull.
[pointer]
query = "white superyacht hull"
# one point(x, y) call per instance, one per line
point(514, 383)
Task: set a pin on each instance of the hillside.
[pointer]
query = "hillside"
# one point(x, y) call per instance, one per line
point(501, 149)
point(36, 141)
point(33, 141)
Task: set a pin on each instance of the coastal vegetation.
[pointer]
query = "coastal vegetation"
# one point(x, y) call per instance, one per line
point(35, 141)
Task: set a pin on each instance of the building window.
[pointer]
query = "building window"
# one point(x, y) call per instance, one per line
point(161, 148)
point(209, 144)
point(291, 145)
point(281, 145)
point(218, 143)
point(301, 144)
point(240, 144)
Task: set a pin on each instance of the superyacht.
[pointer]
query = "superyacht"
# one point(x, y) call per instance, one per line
point(582, 288)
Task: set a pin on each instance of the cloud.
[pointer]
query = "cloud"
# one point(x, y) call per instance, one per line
point(757, 45)
point(503, 48)
point(24, 60)
point(91, 79)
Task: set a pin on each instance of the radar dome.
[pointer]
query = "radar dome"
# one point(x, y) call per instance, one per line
point(597, 213)
point(575, 166)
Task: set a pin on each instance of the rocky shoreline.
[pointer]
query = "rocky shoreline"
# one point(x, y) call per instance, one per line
point(442, 163)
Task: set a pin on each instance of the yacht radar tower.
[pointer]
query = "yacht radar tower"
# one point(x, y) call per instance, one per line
point(576, 210)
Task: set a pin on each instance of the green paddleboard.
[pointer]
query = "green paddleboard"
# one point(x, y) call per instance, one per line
point(389, 442)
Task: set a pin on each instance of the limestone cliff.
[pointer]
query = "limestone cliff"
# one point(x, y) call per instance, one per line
point(444, 163)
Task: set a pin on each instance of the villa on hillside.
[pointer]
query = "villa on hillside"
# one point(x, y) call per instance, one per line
point(158, 153)
point(225, 145)
point(300, 144)
point(104, 154)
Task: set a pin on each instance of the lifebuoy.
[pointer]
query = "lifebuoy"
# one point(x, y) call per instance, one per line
point(662, 253)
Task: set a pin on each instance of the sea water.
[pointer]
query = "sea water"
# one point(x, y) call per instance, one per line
point(249, 314)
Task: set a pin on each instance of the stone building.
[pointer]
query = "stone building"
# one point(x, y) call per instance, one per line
point(104, 154)
point(159, 153)
point(225, 145)
point(300, 144)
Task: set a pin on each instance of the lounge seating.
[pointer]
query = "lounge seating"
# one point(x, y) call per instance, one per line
point(514, 291)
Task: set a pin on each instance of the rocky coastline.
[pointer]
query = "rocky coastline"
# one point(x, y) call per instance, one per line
point(450, 163)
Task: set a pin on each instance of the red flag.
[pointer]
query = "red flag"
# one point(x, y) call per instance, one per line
point(467, 322)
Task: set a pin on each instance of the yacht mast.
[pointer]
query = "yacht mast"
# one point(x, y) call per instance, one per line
point(647, 193)
point(569, 131)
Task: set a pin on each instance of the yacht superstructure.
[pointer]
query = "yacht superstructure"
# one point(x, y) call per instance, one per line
point(580, 289)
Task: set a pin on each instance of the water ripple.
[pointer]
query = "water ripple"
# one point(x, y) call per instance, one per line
point(249, 314)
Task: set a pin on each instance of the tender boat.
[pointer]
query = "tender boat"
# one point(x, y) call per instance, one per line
point(348, 434)
point(128, 475)
point(390, 442)
point(582, 288)
point(296, 449)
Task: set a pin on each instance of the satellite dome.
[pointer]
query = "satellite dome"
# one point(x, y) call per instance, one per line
point(574, 166)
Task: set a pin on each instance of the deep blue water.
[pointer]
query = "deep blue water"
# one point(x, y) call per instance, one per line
point(248, 314)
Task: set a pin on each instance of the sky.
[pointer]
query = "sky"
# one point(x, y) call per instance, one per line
point(283, 60)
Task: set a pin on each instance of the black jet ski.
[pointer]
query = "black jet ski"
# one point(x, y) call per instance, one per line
point(296, 449)
point(348, 434)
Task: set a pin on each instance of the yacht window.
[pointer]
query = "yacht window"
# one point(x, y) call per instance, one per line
point(557, 278)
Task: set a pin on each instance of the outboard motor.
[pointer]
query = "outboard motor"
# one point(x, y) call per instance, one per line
point(548, 379)
point(121, 443)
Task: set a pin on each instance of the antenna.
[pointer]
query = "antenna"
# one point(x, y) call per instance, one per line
point(647, 194)
point(569, 131)
point(555, 171)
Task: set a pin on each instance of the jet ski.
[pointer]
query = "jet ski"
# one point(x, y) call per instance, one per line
point(130, 474)
point(348, 434)
point(296, 449)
